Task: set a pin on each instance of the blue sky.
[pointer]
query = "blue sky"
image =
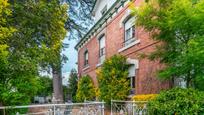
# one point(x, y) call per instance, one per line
point(71, 53)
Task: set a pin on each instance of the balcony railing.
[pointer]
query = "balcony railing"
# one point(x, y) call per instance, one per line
point(128, 107)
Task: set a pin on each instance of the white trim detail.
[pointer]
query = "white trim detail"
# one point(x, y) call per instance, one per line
point(85, 68)
point(125, 16)
point(129, 45)
point(99, 64)
point(134, 62)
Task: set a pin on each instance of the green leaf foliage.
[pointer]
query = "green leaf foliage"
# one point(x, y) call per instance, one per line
point(86, 90)
point(72, 84)
point(46, 86)
point(177, 101)
point(112, 79)
point(178, 25)
point(31, 34)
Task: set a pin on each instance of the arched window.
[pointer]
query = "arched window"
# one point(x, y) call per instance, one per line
point(86, 58)
point(129, 27)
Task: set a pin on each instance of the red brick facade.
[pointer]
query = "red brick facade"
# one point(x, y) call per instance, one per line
point(146, 81)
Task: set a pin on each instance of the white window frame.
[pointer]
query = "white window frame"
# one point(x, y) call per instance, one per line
point(102, 48)
point(86, 58)
point(129, 26)
point(132, 73)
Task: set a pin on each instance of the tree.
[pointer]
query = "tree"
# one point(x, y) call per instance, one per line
point(86, 90)
point(46, 86)
point(72, 84)
point(15, 87)
point(5, 32)
point(112, 79)
point(40, 38)
point(36, 43)
point(80, 17)
point(178, 25)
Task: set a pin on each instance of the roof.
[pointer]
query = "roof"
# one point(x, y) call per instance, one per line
point(101, 21)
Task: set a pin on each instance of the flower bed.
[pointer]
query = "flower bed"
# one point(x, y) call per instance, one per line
point(146, 97)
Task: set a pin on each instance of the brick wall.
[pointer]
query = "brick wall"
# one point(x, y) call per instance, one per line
point(146, 81)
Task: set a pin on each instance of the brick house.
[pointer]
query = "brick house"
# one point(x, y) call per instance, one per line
point(114, 32)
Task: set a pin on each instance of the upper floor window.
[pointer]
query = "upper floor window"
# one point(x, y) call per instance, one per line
point(104, 10)
point(102, 48)
point(129, 31)
point(86, 58)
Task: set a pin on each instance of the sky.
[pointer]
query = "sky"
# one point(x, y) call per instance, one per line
point(71, 53)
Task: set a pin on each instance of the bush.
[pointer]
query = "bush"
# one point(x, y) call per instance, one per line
point(112, 79)
point(86, 89)
point(146, 97)
point(177, 101)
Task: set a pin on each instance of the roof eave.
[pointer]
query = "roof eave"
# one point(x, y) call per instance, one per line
point(106, 14)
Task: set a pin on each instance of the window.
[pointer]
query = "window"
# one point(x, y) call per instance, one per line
point(131, 78)
point(102, 49)
point(104, 10)
point(129, 31)
point(132, 84)
point(86, 58)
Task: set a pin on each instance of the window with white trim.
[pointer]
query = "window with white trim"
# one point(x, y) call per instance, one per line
point(101, 49)
point(129, 26)
point(86, 58)
point(131, 77)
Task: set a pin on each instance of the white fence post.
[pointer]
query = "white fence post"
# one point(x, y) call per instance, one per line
point(54, 109)
point(103, 107)
point(111, 107)
point(133, 109)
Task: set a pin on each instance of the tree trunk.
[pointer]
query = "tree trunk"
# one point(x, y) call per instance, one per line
point(57, 86)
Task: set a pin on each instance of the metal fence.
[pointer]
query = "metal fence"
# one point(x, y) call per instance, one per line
point(88, 108)
point(128, 107)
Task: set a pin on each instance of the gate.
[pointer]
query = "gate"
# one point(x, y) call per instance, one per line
point(128, 107)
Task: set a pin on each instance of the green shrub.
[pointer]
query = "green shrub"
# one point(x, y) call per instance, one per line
point(112, 79)
point(73, 81)
point(177, 101)
point(86, 89)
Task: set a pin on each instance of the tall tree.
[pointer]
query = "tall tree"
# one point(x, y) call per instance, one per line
point(36, 43)
point(179, 25)
point(39, 37)
point(6, 31)
point(80, 17)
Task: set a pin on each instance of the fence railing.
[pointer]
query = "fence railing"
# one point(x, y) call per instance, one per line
point(128, 107)
point(88, 108)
